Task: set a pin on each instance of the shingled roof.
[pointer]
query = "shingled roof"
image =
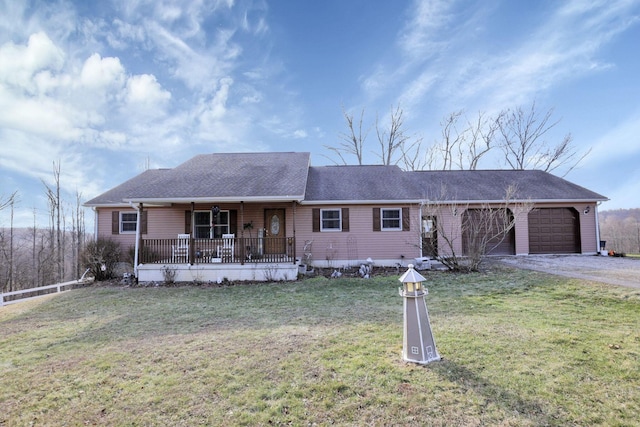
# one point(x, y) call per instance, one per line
point(220, 177)
point(364, 184)
point(235, 177)
point(491, 185)
point(358, 184)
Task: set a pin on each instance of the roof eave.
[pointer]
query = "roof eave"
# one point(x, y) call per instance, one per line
point(233, 199)
point(478, 202)
point(444, 202)
point(106, 205)
point(359, 202)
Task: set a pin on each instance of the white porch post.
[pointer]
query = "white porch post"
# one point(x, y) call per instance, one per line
point(138, 234)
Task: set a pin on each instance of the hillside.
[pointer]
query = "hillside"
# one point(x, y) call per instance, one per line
point(620, 228)
point(620, 214)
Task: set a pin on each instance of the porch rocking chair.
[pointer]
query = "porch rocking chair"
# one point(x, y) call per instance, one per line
point(226, 251)
point(181, 250)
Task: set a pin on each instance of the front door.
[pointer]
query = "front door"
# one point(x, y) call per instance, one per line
point(275, 231)
point(429, 236)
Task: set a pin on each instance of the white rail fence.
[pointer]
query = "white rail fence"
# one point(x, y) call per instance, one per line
point(41, 291)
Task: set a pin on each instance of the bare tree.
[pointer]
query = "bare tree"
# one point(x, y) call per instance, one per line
point(412, 157)
point(34, 260)
point(620, 229)
point(55, 211)
point(465, 233)
point(464, 142)
point(451, 139)
point(77, 235)
point(8, 201)
point(523, 141)
point(8, 252)
point(481, 140)
point(353, 141)
point(393, 139)
point(393, 142)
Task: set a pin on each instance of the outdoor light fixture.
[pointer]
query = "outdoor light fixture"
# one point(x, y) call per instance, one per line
point(215, 210)
point(587, 210)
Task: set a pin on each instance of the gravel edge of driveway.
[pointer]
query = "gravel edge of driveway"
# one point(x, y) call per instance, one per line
point(618, 271)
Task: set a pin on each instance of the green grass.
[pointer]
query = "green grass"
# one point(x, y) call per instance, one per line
point(520, 349)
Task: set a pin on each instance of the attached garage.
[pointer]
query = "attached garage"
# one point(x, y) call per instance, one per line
point(554, 231)
point(488, 227)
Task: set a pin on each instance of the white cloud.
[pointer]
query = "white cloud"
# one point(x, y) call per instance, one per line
point(563, 48)
point(300, 134)
point(216, 108)
point(443, 63)
point(420, 35)
point(54, 119)
point(20, 63)
point(102, 74)
point(620, 143)
point(145, 89)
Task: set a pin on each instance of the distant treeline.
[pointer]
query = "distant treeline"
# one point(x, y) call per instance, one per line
point(35, 256)
point(29, 257)
point(620, 228)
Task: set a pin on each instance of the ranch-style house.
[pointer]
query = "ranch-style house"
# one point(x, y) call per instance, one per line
point(261, 216)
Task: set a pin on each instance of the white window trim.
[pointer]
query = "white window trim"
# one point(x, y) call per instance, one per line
point(195, 226)
point(135, 222)
point(339, 219)
point(382, 219)
point(212, 228)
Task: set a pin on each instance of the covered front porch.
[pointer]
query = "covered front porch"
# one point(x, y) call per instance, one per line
point(188, 259)
point(209, 240)
point(226, 250)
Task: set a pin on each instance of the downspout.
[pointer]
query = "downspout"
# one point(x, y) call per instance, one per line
point(294, 232)
point(192, 250)
point(95, 223)
point(420, 225)
point(243, 245)
point(597, 229)
point(137, 245)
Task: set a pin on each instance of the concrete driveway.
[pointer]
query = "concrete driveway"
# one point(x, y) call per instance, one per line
point(620, 271)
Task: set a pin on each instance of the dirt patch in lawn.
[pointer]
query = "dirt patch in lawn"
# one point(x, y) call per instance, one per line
point(620, 271)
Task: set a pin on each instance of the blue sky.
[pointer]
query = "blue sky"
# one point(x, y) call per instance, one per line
point(110, 88)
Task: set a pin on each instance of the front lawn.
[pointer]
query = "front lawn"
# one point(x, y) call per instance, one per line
point(520, 348)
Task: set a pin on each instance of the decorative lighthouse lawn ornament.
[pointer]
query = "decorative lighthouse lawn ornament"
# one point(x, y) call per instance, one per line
point(418, 344)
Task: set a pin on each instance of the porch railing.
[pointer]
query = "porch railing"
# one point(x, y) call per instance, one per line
point(239, 250)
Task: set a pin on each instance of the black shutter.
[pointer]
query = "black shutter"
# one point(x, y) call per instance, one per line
point(233, 221)
point(345, 219)
point(376, 219)
point(115, 222)
point(316, 219)
point(187, 222)
point(406, 222)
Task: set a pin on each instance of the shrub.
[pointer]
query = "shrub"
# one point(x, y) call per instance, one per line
point(101, 257)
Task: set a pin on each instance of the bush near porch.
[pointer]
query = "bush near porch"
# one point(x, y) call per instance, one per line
point(520, 348)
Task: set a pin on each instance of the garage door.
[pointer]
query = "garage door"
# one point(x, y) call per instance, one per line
point(554, 231)
point(479, 225)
